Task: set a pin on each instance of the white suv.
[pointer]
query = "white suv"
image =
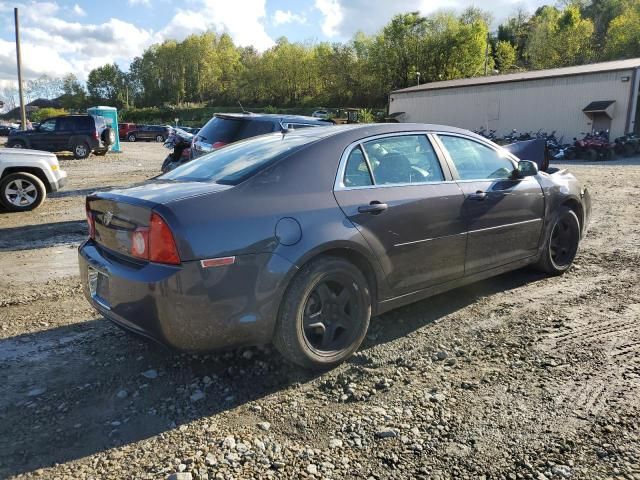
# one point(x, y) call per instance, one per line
point(26, 176)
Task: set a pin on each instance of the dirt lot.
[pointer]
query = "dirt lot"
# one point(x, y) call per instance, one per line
point(521, 376)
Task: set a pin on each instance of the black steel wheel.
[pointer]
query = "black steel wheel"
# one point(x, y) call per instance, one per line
point(324, 315)
point(561, 245)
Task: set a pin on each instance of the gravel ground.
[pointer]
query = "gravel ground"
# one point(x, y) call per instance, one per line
point(520, 376)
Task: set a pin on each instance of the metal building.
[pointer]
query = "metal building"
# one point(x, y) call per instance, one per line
point(568, 100)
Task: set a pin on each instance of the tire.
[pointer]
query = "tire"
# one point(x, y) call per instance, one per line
point(131, 137)
point(29, 190)
point(629, 150)
point(315, 298)
point(591, 155)
point(16, 144)
point(159, 138)
point(607, 154)
point(81, 150)
point(108, 136)
point(553, 261)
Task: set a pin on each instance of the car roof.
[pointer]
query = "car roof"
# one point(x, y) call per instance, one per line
point(273, 116)
point(371, 129)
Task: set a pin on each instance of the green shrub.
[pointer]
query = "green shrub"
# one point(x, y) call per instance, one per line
point(47, 112)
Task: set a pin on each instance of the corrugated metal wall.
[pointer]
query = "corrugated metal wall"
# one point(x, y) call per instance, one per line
point(547, 104)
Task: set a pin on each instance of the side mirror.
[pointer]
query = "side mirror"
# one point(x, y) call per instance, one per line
point(526, 168)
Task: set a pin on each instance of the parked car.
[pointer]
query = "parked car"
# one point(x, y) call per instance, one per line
point(5, 130)
point(79, 134)
point(299, 237)
point(159, 133)
point(324, 114)
point(125, 128)
point(26, 176)
point(225, 128)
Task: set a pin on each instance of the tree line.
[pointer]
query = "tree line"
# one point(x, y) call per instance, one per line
point(209, 69)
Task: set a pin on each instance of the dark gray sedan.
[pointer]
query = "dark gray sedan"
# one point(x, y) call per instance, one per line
point(298, 238)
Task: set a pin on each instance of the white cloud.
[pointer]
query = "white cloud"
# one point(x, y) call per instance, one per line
point(281, 17)
point(77, 9)
point(245, 25)
point(333, 16)
point(55, 47)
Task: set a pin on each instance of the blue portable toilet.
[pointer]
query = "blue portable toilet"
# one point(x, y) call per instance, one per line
point(111, 114)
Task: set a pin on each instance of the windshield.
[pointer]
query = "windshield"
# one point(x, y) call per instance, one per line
point(237, 162)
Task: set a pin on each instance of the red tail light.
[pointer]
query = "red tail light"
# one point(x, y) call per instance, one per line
point(218, 144)
point(95, 135)
point(91, 221)
point(155, 243)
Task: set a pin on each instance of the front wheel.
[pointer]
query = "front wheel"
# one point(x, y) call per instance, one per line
point(131, 137)
point(16, 144)
point(561, 244)
point(159, 138)
point(324, 315)
point(21, 192)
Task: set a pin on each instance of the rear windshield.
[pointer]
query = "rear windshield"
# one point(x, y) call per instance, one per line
point(237, 162)
point(229, 130)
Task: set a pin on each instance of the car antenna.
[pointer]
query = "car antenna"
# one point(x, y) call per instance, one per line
point(243, 110)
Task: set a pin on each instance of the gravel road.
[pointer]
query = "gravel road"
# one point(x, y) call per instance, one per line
point(520, 376)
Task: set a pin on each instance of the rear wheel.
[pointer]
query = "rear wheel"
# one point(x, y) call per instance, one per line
point(159, 138)
point(561, 244)
point(81, 150)
point(324, 315)
point(22, 191)
point(131, 137)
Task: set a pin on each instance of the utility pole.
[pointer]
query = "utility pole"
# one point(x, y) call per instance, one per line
point(486, 56)
point(23, 113)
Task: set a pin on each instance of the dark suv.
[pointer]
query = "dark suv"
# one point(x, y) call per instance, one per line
point(79, 134)
point(226, 128)
point(158, 133)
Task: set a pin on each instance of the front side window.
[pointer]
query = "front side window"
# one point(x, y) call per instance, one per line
point(403, 159)
point(475, 161)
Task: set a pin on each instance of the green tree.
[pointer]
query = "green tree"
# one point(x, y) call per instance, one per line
point(505, 56)
point(559, 38)
point(74, 96)
point(106, 84)
point(623, 36)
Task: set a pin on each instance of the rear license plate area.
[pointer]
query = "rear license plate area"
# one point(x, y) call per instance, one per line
point(98, 286)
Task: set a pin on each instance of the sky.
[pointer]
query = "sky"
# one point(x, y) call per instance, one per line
point(75, 36)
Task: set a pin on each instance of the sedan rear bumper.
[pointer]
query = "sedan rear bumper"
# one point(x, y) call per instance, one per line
point(188, 307)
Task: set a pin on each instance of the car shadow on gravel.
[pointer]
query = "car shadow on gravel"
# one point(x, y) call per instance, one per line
point(81, 389)
point(30, 237)
point(401, 322)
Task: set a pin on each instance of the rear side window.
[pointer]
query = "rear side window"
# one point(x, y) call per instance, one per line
point(238, 161)
point(356, 173)
point(403, 159)
point(65, 124)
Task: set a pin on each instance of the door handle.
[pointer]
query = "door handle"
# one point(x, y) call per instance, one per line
point(479, 195)
point(374, 208)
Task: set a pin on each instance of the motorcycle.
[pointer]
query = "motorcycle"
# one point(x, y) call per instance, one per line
point(180, 142)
